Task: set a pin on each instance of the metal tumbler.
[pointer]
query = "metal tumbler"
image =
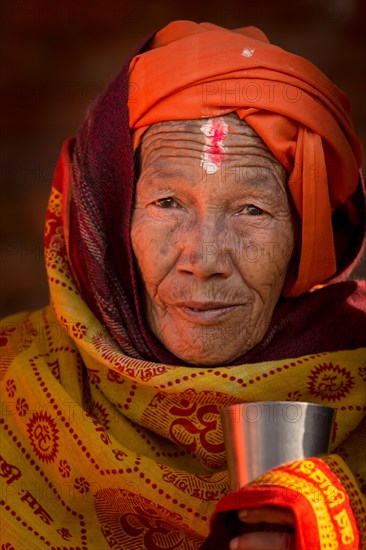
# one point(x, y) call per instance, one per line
point(262, 435)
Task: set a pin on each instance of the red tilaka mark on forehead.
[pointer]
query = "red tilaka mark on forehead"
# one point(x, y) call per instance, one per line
point(215, 131)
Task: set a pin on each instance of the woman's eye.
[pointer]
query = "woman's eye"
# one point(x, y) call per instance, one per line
point(167, 203)
point(252, 210)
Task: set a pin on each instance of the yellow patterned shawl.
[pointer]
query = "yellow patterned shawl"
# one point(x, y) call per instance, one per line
point(100, 450)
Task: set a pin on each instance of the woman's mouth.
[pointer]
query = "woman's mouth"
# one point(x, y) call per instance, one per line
point(206, 312)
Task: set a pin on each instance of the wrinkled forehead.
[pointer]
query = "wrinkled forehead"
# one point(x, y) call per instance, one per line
point(227, 137)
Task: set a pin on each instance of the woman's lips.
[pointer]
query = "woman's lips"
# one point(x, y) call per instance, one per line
point(206, 313)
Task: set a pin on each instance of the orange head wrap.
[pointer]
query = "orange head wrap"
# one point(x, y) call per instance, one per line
point(196, 70)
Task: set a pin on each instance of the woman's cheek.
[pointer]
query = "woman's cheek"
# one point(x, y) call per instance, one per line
point(287, 244)
point(154, 246)
point(146, 232)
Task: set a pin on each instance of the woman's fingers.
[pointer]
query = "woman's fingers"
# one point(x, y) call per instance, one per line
point(264, 541)
point(275, 539)
point(267, 514)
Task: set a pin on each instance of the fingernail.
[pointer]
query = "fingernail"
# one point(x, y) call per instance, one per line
point(243, 513)
point(234, 544)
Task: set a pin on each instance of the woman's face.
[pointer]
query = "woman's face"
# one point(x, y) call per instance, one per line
point(212, 233)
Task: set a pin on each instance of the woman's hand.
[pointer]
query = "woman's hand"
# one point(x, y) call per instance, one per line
point(278, 534)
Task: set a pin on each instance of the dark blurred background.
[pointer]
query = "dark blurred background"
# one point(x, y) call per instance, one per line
point(58, 55)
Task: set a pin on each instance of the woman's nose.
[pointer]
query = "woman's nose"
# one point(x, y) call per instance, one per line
point(205, 250)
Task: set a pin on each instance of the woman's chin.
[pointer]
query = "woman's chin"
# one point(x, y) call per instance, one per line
point(210, 346)
point(207, 357)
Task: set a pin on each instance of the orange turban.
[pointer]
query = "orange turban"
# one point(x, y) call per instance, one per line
point(196, 70)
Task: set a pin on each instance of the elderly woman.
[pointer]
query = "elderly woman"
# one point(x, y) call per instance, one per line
point(197, 232)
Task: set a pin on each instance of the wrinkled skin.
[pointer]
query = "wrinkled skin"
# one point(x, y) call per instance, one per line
point(212, 249)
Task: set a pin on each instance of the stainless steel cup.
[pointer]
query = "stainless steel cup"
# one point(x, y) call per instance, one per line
point(262, 435)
